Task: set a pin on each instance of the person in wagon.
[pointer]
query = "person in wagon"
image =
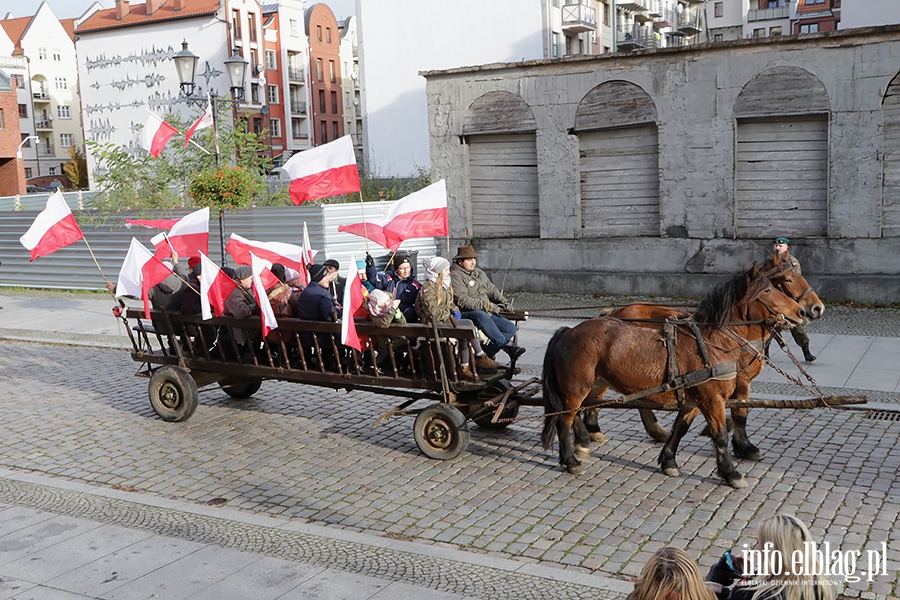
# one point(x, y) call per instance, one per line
point(781, 248)
point(315, 303)
point(399, 282)
point(241, 304)
point(434, 304)
point(480, 301)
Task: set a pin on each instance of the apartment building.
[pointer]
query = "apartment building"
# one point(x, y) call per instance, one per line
point(642, 24)
point(126, 69)
point(326, 90)
point(813, 16)
point(12, 173)
point(38, 53)
point(353, 110)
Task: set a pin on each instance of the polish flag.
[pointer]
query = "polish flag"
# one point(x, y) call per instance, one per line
point(309, 256)
point(421, 214)
point(53, 228)
point(276, 252)
point(140, 271)
point(323, 171)
point(205, 120)
point(259, 290)
point(150, 223)
point(215, 287)
point(352, 303)
point(189, 236)
point(155, 135)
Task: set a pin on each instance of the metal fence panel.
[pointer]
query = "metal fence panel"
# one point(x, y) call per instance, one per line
point(73, 267)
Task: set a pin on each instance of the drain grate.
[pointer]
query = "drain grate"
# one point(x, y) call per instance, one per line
point(883, 415)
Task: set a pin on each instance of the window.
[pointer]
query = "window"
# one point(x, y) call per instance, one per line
point(346, 98)
point(273, 94)
point(23, 111)
point(335, 130)
point(808, 2)
point(718, 37)
point(324, 130)
point(57, 55)
point(328, 35)
point(319, 72)
point(254, 93)
point(18, 81)
point(257, 125)
point(26, 141)
point(271, 59)
point(331, 71)
point(718, 9)
point(322, 101)
point(569, 45)
point(53, 170)
point(296, 129)
point(292, 26)
point(334, 103)
point(554, 45)
point(236, 23)
point(809, 28)
point(63, 111)
point(556, 3)
point(774, 31)
point(42, 53)
point(759, 32)
point(319, 32)
point(606, 14)
point(61, 83)
point(251, 24)
point(2, 126)
point(275, 127)
point(66, 140)
point(27, 172)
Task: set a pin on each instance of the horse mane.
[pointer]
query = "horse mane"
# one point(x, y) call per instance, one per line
point(717, 307)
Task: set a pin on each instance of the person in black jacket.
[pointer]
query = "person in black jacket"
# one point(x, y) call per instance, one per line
point(399, 281)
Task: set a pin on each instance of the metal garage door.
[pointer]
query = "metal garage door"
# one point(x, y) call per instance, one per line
point(620, 181)
point(503, 185)
point(781, 177)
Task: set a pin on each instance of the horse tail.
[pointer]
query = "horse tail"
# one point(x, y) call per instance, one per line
point(550, 384)
point(605, 311)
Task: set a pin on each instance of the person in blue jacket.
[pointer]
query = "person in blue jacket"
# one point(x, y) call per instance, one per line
point(400, 282)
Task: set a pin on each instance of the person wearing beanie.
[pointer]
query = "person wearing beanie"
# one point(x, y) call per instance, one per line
point(336, 287)
point(480, 300)
point(781, 249)
point(361, 267)
point(434, 304)
point(399, 282)
point(315, 303)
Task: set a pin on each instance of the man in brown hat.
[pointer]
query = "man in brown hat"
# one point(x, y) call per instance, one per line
point(480, 301)
point(781, 248)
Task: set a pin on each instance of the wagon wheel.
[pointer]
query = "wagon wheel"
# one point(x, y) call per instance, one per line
point(241, 390)
point(509, 411)
point(440, 432)
point(173, 393)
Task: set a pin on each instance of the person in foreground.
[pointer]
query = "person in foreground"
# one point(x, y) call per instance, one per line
point(480, 301)
point(670, 574)
point(781, 536)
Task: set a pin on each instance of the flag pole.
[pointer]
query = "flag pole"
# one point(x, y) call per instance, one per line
point(365, 228)
point(102, 274)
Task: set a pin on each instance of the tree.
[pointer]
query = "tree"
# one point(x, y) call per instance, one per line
point(76, 168)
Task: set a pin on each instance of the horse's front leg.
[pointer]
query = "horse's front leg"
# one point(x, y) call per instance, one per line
point(740, 441)
point(566, 450)
point(679, 428)
point(715, 417)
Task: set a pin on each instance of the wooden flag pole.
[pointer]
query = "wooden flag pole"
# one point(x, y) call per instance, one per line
point(365, 228)
point(102, 274)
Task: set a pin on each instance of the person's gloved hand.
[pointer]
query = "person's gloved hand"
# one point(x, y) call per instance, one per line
point(724, 572)
point(370, 262)
point(456, 314)
point(489, 307)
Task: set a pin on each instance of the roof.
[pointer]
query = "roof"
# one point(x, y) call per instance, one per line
point(269, 8)
point(106, 18)
point(15, 29)
point(69, 26)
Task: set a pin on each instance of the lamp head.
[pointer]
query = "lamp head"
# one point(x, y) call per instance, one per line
point(186, 66)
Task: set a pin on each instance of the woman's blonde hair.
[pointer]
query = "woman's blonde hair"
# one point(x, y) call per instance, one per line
point(670, 574)
point(788, 534)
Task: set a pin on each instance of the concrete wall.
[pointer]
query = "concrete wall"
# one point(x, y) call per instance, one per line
point(695, 91)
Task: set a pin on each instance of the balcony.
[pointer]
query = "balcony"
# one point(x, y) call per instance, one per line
point(40, 96)
point(666, 18)
point(768, 14)
point(578, 18)
point(634, 5)
point(45, 149)
point(44, 124)
point(297, 74)
point(638, 38)
point(298, 107)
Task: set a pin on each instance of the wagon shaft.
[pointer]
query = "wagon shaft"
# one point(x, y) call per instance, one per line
point(749, 403)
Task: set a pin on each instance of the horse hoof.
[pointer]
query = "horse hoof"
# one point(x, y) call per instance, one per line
point(672, 472)
point(575, 469)
point(598, 437)
point(582, 452)
point(753, 455)
point(738, 482)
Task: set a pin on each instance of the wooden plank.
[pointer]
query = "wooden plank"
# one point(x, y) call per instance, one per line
point(614, 104)
point(499, 112)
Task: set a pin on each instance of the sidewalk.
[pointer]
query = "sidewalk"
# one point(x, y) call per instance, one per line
point(64, 540)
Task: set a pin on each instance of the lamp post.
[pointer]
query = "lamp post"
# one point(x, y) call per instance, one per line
point(236, 69)
point(37, 140)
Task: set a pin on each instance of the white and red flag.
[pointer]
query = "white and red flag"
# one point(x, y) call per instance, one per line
point(53, 228)
point(323, 171)
point(140, 271)
point(259, 290)
point(150, 223)
point(189, 236)
point(276, 252)
point(352, 302)
point(421, 214)
point(155, 135)
point(215, 287)
point(205, 120)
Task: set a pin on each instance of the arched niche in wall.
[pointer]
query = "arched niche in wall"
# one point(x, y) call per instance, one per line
point(618, 153)
point(890, 147)
point(499, 131)
point(781, 155)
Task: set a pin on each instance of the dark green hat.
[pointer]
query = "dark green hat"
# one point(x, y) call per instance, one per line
point(782, 240)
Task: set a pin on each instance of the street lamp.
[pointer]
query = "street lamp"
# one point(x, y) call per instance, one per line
point(36, 139)
point(236, 69)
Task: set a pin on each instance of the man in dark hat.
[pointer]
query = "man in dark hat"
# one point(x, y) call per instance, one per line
point(781, 248)
point(480, 301)
point(336, 287)
point(315, 303)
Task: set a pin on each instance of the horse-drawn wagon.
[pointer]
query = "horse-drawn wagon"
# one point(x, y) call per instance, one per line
point(686, 363)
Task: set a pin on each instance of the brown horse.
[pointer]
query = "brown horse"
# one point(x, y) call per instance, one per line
point(750, 363)
point(607, 352)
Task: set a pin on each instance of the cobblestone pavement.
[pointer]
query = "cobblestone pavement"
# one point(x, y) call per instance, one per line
point(313, 455)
